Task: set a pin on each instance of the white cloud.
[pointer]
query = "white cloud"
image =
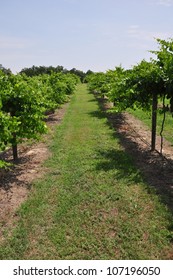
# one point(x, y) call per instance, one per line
point(134, 31)
point(166, 3)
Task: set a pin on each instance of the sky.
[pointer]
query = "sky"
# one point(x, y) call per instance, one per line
point(82, 34)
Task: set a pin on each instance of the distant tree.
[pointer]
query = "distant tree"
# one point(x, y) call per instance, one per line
point(40, 70)
point(5, 70)
point(87, 74)
point(78, 73)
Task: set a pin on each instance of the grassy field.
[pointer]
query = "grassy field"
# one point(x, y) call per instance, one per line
point(93, 203)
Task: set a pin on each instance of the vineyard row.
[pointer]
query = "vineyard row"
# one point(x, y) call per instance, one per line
point(24, 102)
point(143, 86)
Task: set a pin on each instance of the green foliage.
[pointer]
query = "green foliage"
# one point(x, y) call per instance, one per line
point(135, 87)
point(24, 107)
point(165, 62)
point(24, 101)
point(165, 59)
point(140, 86)
point(4, 165)
point(5, 70)
point(130, 88)
point(62, 86)
point(48, 70)
point(98, 83)
point(41, 70)
point(147, 79)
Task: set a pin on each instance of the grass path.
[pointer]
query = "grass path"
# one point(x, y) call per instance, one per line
point(93, 203)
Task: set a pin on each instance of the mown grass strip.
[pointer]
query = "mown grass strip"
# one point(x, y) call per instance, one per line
point(93, 204)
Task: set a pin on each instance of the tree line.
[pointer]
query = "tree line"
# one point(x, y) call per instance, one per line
point(40, 70)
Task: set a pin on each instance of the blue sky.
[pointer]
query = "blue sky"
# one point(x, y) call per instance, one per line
point(82, 34)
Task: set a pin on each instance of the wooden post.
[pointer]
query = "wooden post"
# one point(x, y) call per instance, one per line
point(14, 144)
point(14, 147)
point(154, 122)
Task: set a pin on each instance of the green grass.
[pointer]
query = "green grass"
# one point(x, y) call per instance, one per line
point(146, 118)
point(93, 203)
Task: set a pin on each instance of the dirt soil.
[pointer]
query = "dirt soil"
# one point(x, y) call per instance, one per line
point(15, 183)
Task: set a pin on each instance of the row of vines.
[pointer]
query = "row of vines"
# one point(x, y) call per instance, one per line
point(24, 103)
point(143, 86)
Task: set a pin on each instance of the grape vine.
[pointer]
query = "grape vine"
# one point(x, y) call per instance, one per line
point(140, 87)
point(24, 102)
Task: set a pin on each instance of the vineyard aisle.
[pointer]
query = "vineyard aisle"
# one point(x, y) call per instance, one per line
point(93, 203)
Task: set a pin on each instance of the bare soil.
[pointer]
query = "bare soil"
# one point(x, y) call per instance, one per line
point(15, 183)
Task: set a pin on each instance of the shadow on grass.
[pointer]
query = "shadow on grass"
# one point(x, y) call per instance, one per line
point(122, 163)
point(97, 114)
point(136, 161)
